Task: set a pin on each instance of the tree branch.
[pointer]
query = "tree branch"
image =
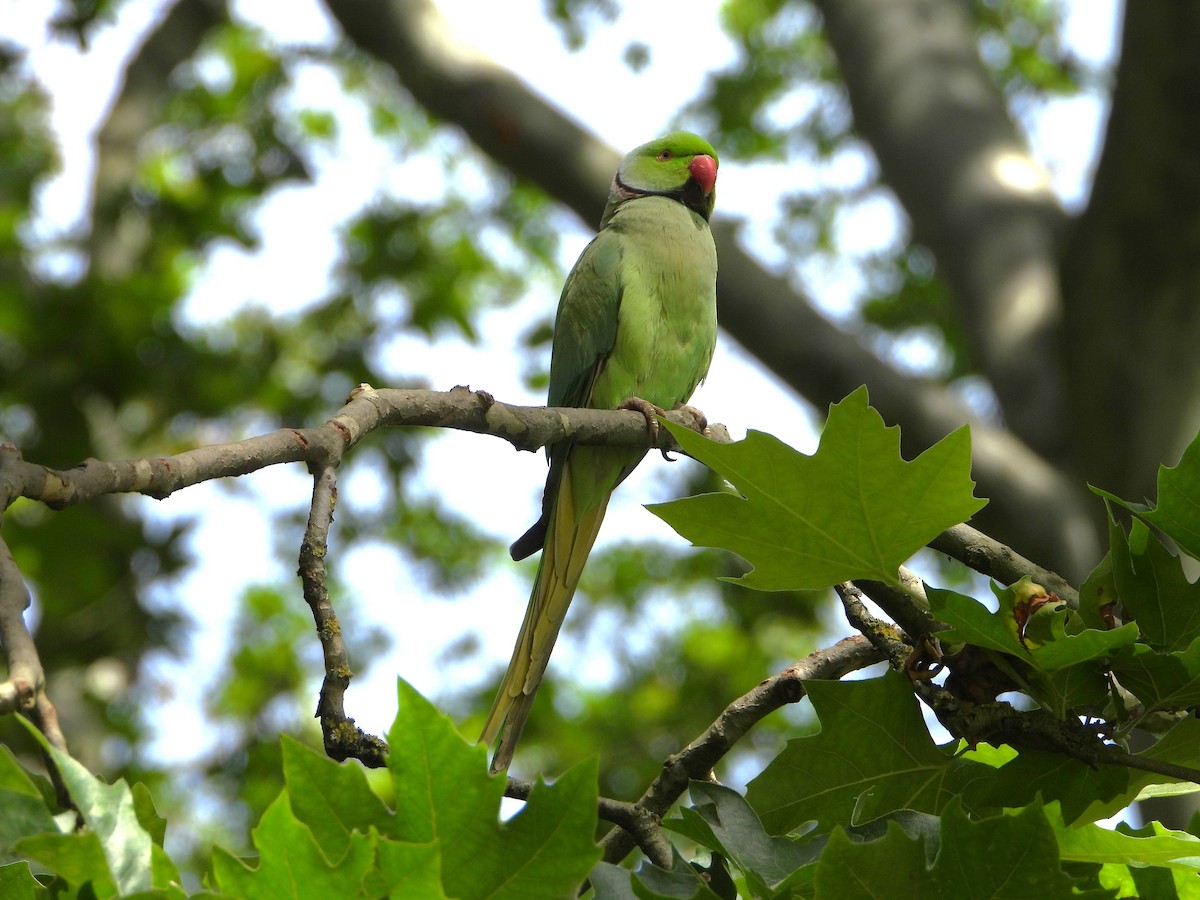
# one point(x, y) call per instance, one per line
point(1037, 729)
point(698, 758)
point(644, 827)
point(885, 637)
point(525, 427)
point(322, 449)
point(907, 605)
point(25, 688)
point(989, 557)
point(26, 680)
point(342, 739)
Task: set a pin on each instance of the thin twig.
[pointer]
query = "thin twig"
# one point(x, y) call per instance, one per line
point(1037, 729)
point(1116, 756)
point(45, 718)
point(643, 826)
point(884, 636)
point(25, 677)
point(697, 759)
point(343, 740)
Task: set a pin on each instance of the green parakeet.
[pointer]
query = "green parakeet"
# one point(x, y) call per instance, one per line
point(637, 320)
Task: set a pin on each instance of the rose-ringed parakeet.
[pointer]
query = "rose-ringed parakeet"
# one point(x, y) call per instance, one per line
point(637, 322)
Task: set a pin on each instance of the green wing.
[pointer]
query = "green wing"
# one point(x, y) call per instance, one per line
point(585, 331)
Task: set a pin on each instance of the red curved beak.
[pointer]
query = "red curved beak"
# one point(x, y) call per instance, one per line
point(703, 169)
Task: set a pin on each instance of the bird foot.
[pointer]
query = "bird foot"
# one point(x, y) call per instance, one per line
point(699, 424)
point(699, 419)
point(649, 412)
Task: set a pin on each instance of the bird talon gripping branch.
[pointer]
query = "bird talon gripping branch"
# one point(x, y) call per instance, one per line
point(649, 412)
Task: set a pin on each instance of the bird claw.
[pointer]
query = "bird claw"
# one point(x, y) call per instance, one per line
point(649, 412)
point(699, 419)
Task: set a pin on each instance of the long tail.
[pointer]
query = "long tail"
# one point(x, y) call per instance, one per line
point(569, 540)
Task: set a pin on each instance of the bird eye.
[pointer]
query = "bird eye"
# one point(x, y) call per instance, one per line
point(664, 156)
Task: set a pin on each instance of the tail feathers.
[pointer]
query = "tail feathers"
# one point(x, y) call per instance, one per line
point(568, 543)
point(514, 724)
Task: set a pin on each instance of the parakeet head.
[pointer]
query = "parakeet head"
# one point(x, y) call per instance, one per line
point(679, 165)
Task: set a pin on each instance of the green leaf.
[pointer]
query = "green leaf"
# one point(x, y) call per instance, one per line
point(1084, 794)
point(24, 808)
point(333, 799)
point(1153, 588)
point(649, 882)
point(873, 749)
point(1080, 687)
point(338, 806)
point(1180, 745)
point(18, 883)
point(291, 863)
point(410, 870)
point(1155, 846)
point(147, 814)
point(13, 776)
point(164, 872)
point(1009, 856)
point(329, 833)
point(548, 847)
point(108, 811)
point(78, 858)
point(721, 820)
point(430, 761)
point(1161, 680)
point(854, 509)
point(1177, 513)
point(1159, 883)
point(444, 795)
point(1034, 773)
point(1098, 595)
point(973, 623)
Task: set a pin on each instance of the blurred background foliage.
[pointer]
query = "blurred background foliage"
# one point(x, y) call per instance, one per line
point(98, 359)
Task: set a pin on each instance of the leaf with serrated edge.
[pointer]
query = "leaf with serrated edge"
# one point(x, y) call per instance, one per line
point(727, 825)
point(333, 799)
point(973, 623)
point(1093, 844)
point(444, 795)
point(1153, 588)
point(110, 814)
point(873, 746)
point(1084, 794)
point(76, 857)
point(291, 863)
point(1161, 680)
point(1008, 857)
point(854, 509)
point(1177, 512)
point(18, 883)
